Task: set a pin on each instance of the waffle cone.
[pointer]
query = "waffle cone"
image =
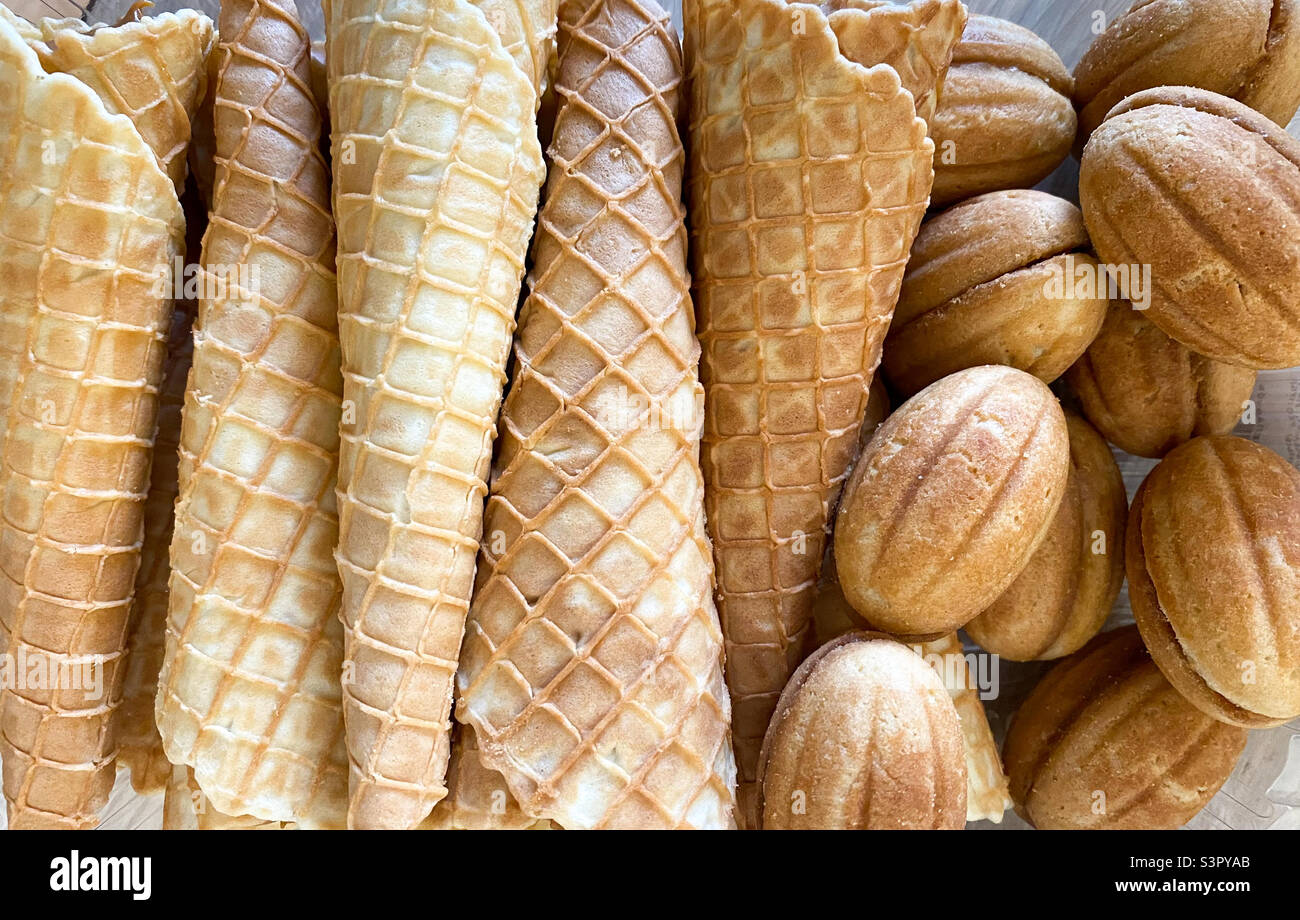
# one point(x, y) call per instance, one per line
point(139, 745)
point(81, 261)
point(153, 70)
point(150, 63)
point(592, 667)
point(185, 808)
point(477, 797)
point(527, 32)
point(249, 695)
point(810, 175)
point(436, 175)
point(916, 39)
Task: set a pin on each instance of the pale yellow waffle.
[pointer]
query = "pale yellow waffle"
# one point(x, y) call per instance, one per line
point(527, 31)
point(28, 32)
point(139, 745)
point(89, 228)
point(592, 666)
point(185, 808)
point(810, 175)
point(249, 695)
point(477, 797)
point(153, 70)
point(436, 175)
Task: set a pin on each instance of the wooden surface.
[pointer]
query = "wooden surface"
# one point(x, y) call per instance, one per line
point(1265, 789)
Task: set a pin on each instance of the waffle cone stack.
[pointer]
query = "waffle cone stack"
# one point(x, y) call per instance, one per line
point(477, 797)
point(437, 170)
point(249, 695)
point(592, 667)
point(810, 175)
point(92, 315)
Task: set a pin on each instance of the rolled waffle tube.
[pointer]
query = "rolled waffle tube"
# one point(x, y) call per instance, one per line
point(249, 694)
point(89, 228)
point(152, 69)
point(437, 169)
point(592, 667)
point(810, 175)
point(139, 744)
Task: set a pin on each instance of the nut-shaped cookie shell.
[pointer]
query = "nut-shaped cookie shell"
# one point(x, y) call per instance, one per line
point(1147, 394)
point(1105, 742)
point(864, 737)
point(1207, 193)
point(1005, 118)
point(950, 499)
point(1246, 49)
point(1213, 562)
point(1063, 597)
point(979, 290)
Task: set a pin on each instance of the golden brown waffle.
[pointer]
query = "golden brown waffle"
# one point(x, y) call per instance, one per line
point(592, 667)
point(152, 70)
point(477, 797)
point(916, 39)
point(249, 694)
point(153, 64)
point(436, 174)
point(82, 262)
point(810, 175)
point(139, 745)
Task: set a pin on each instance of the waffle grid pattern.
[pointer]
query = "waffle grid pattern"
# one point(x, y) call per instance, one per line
point(437, 171)
point(527, 32)
point(78, 271)
point(139, 745)
point(917, 39)
point(249, 694)
point(592, 663)
point(153, 71)
point(810, 179)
